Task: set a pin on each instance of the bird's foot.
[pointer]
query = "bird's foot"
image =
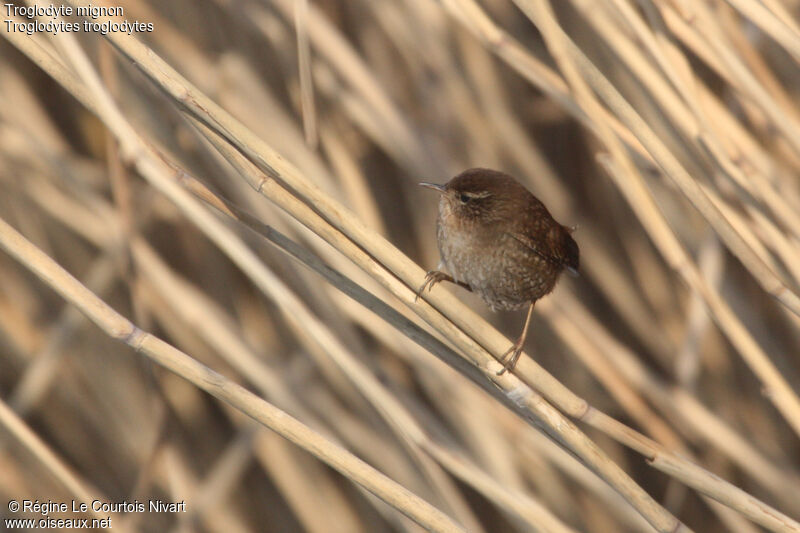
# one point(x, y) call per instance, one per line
point(510, 357)
point(432, 278)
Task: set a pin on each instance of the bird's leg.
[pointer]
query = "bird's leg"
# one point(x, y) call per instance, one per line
point(515, 350)
point(435, 276)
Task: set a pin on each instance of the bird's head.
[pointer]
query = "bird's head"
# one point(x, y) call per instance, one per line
point(478, 194)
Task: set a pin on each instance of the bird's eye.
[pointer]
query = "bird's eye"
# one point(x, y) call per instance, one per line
point(464, 198)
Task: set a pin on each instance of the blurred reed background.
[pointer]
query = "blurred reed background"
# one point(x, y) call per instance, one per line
point(667, 131)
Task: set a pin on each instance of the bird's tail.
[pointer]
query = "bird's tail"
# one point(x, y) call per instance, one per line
point(571, 257)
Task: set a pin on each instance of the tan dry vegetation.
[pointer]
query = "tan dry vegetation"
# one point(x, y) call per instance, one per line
point(233, 196)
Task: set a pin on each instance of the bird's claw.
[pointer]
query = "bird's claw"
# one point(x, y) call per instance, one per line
point(431, 278)
point(508, 365)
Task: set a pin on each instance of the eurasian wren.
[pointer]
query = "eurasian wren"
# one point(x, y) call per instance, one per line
point(498, 240)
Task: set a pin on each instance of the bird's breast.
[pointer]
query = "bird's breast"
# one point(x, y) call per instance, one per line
point(474, 257)
point(504, 273)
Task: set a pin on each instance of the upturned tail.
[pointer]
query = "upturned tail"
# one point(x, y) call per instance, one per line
point(570, 254)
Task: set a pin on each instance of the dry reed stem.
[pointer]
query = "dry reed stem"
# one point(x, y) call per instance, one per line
point(667, 398)
point(749, 173)
point(340, 55)
point(304, 66)
point(520, 394)
point(119, 328)
point(527, 398)
point(295, 310)
point(128, 139)
point(779, 391)
point(767, 517)
point(55, 465)
point(672, 167)
point(595, 419)
point(749, 461)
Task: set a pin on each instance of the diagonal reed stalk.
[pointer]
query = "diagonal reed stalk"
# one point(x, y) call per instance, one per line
point(744, 199)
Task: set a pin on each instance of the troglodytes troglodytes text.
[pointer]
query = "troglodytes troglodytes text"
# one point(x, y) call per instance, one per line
point(498, 240)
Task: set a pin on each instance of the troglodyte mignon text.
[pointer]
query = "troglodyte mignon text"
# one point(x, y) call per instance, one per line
point(498, 240)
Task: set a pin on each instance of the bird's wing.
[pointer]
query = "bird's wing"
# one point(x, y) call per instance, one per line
point(531, 244)
point(554, 245)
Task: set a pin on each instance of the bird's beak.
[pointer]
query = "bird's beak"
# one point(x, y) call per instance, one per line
point(434, 186)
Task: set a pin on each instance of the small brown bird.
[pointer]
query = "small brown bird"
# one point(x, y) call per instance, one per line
point(498, 240)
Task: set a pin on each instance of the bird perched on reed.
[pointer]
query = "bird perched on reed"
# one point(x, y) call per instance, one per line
point(499, 241)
